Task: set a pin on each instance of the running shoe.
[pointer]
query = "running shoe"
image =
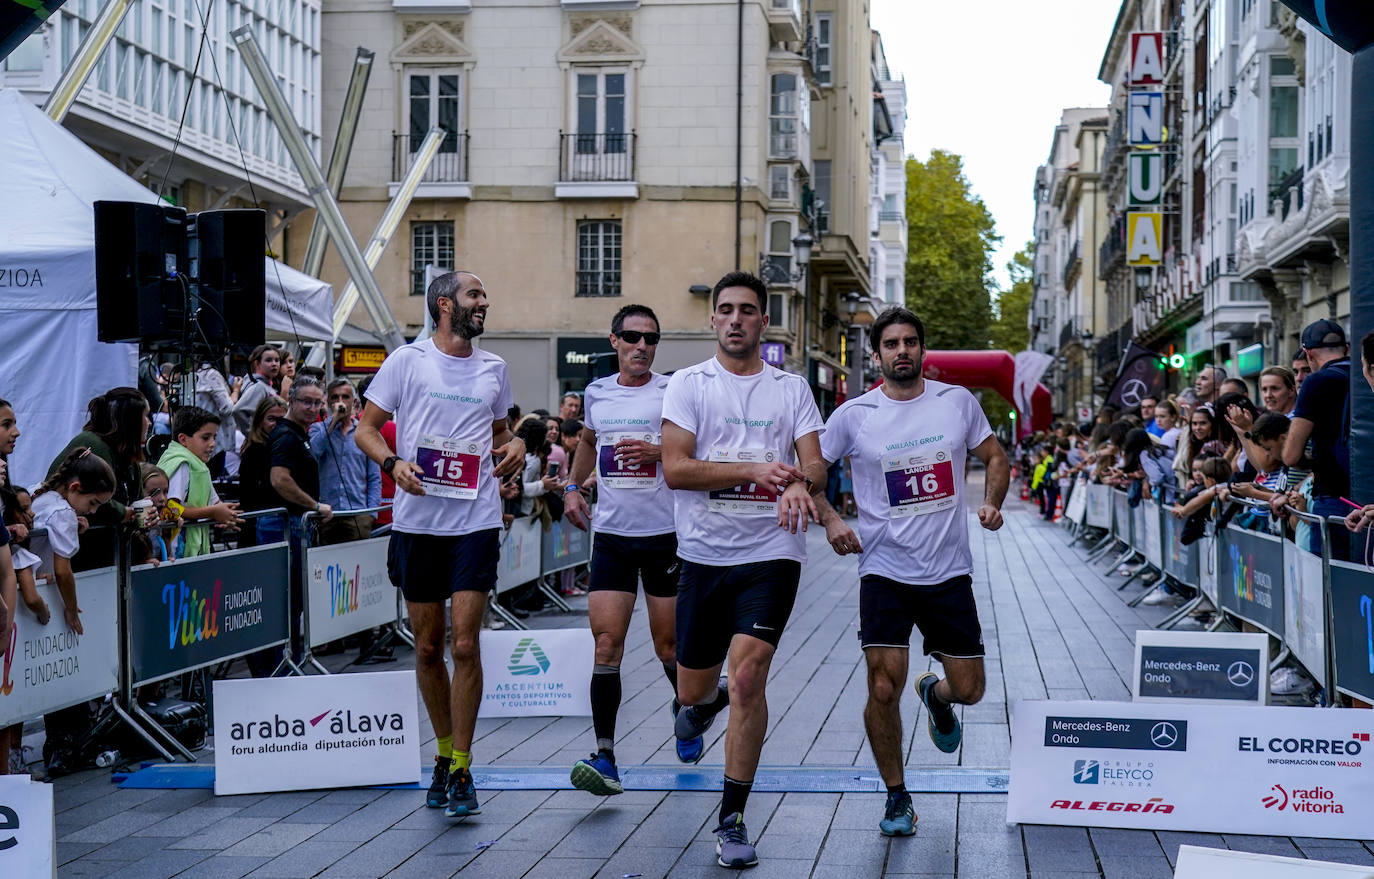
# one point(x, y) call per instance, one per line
point(733, 848)
point(690, 725)
point(939, 714)
point(462, 795)
point(597, 775)
point(437, 798)
point(899, 818)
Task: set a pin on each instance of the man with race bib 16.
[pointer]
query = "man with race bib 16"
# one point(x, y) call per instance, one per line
point(907, 441)
point(635, 536)
point(450, 400)
point(741, 447)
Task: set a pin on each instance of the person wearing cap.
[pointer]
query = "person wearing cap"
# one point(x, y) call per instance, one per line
point(1322, 415)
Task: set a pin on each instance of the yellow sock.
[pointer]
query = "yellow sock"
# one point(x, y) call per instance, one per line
point(461, 760)
point(445, 745)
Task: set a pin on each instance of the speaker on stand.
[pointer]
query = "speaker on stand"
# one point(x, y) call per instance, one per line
point(228, 263)
point(141, 281)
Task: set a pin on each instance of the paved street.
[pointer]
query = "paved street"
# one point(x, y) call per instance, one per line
point(1053, 630)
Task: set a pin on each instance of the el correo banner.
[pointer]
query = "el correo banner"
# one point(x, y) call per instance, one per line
point(28, 837)
point(195, 612)
point(349, 589)
point(50, 667)
point(537, 673)
point(1286, 771)
point(321, 731)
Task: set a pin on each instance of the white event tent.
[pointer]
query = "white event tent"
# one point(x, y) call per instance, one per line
point(51, 364)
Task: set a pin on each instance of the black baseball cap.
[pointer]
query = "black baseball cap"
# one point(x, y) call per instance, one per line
point(1323, 334)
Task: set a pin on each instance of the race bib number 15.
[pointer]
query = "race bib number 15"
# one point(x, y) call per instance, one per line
point(919, 483)
point(616, 473)
point(449, 467)
point(749, 499)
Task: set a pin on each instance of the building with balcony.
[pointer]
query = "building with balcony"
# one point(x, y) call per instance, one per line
point(602, 153)
point(171, 103)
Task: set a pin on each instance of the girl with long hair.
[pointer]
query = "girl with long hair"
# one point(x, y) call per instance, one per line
point(81, 485)
point(1201, 430)
point(255, 465)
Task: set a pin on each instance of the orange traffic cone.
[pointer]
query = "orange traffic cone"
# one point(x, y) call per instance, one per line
point(1025, 490)
point(1058, 508)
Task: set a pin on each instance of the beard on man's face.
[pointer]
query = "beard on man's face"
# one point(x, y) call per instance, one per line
point(461, 321)
point(905, 371)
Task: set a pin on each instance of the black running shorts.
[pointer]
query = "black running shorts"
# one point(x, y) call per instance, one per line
point(716, 603)
point(619, 563)
point(945, 613)
point(428, 568)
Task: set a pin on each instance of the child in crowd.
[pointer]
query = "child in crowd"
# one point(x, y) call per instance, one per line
point(155, 484)
point(26, 564)
point(186, 464)
point(82, 483)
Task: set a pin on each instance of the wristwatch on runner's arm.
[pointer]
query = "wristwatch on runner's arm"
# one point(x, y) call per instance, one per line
point(390, 464)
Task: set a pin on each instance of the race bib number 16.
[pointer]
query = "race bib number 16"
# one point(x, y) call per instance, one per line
point(919, 483)
point(449, 467)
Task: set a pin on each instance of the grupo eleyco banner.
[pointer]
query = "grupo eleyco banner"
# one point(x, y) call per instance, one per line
point(537, 672)
point(1284, 771)
point(27, 832)
point(320, 731)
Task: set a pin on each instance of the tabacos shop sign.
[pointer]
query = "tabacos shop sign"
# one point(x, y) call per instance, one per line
point(331, 729)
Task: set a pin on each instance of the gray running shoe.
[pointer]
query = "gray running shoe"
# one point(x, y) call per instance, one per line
point(733, 848)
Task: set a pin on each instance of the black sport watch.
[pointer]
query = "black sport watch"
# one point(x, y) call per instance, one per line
point(390, 464)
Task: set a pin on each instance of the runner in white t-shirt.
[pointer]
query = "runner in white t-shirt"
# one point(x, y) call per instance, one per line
point(635, 538)
point(450, 401)
point(907, 441)
point(741, 446)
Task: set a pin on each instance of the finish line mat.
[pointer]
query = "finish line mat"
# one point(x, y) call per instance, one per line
point(777, 779)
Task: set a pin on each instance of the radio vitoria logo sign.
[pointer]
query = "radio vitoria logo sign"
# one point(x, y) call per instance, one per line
point(528, 658)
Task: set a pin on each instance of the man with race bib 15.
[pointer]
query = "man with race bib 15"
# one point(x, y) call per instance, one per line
point(907, 441)
point(635, 536)
point(450, 401)
point(741, 447)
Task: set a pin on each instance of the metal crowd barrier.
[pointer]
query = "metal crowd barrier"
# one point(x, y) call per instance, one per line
point(1321, 610)
point(345, 588)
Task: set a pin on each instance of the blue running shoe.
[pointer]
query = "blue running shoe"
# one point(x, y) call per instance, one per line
point(462, 795)
point(597, 775)
point(899, 818)
point(733, 848)
point(437, 798)
point(938, 715)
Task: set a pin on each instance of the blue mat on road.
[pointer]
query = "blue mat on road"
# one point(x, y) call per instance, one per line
point(778, 779)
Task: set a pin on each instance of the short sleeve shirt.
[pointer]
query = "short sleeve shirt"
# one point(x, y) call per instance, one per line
point(289, 447)
point(52, 513)
point(729, 414)
point(1324, 395)
point(433, 397)
point(908, 461)
point(631, 502)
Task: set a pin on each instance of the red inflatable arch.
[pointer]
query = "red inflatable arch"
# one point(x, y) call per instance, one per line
point(995, 370)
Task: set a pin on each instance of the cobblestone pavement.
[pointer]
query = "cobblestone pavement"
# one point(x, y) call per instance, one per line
point(1053, 628)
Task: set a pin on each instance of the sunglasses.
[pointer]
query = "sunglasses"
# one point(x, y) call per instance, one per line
point(633, 337)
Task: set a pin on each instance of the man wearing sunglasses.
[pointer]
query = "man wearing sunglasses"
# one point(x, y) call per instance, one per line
point(741, 446)
point(635, 537)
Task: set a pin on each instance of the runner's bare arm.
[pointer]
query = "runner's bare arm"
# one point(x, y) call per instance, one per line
point(683, 472)
point(368, 436)
point(508, 448)
point(795, 506)
point(841, 537)
point(998, 478)
point(575, 508)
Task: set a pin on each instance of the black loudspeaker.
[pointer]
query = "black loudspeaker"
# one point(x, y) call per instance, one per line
point(140, 271)
point(229, 259)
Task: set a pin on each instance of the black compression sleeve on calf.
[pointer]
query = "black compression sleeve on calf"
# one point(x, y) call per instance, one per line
point(605, 704)
point(670, 670)
point(735, 795)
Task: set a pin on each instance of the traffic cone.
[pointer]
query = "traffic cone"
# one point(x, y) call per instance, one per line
point(1058, 508)
point(1025, 490)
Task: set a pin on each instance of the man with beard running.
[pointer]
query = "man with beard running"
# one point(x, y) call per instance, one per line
point(635, 537)
point(907, 441)
point(741, 446)
point(450, 401)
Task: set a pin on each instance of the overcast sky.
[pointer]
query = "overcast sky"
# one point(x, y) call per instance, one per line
point(987, 79)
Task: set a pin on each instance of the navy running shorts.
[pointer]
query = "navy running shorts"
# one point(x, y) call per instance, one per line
point(620, 563)
point(945, 613)
point(428, 568)
point(714, 604)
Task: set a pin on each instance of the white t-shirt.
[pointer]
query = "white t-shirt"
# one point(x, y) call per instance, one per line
point(738, 418)
point(630, 502)
point(444, 408)
point(51, 511)
point(908, 463)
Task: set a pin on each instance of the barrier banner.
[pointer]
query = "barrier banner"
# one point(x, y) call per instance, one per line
point(1287, 771)
point(1149, 519)
point(1352, 609)
point(1180, 562)
point(195, 612)
point(1304, 609)
point(1099, 501)
point(1207, 566)
point(520, 545)
point(1250, 577)
point(564, 547)
point(322, 731)
point(1077, 506)
point(349, 589)
point(1218, 667)
point(537, 673)
point(50, 667)
point(1195, 862)
point(28, 833)
point(1121, 516)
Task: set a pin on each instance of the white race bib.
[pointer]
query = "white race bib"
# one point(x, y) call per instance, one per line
point(750, 499)
point(450, 467)
point(919, 482)
point(612, 470)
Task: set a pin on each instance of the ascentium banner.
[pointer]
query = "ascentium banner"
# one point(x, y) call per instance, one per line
point(349, 589)
point(537, 672)
point(1287, 771)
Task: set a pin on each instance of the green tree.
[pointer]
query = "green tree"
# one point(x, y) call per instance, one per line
point(1010, 332)
point(950, 238)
